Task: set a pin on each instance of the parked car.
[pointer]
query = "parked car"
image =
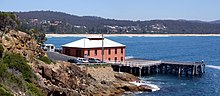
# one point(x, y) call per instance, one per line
point(93, 60)
point(83, 60)
point(75, 61)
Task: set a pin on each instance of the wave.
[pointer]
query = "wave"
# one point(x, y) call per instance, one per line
point(129, 57)
point(64, 35)
point(49, 37)
point(183, 84)
point(105, 35)
point(154, 87)
point(137, 36)
point(213, 66)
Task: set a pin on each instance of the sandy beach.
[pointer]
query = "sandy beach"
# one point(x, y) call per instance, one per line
point(147, 35)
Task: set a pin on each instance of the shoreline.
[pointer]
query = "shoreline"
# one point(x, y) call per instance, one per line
point(138, 35)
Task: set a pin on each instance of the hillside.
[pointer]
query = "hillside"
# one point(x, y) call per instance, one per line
point(216, 22)
point(61, 23)
point(25, 69)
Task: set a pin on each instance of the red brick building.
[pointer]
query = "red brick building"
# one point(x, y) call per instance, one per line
point(92, 48)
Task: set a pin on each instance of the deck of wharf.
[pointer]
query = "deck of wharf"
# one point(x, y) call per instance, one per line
point(145, 67)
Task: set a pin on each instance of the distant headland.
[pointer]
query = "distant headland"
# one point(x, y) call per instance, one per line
point(138, 35)
point(51, 22)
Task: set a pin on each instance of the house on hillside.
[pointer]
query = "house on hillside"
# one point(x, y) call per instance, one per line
point(91, 47)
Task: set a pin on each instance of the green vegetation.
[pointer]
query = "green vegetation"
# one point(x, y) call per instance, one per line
point(17, 62)
point(39, 36)
point(4, 91)
point(15, 73)
point(8, 21)
point(45, 60)
point(13, 81)
point(1, 50)
point(3, 69)
point(33, 90)
point(62, 23)
point(11, 15)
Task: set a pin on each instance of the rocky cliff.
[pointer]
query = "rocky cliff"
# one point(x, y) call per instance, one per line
point(26, 70)
point(22, 43)
point(64, 78)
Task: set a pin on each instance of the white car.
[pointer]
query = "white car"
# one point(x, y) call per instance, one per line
point(83, 60)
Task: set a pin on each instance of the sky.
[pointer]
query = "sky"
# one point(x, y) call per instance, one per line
point(205, 10)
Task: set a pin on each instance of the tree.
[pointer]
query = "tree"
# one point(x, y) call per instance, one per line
point(8, 21)
point(39, 36)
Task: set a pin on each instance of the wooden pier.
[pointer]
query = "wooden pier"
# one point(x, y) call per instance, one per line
point(146, 67)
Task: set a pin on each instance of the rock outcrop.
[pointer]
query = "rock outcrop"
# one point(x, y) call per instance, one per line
point(21, 43)
point(67, 79)
point(72, 80)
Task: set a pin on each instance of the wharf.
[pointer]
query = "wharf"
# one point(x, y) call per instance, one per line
point(145, 67)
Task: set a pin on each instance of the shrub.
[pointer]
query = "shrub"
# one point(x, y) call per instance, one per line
point(33, 90)
point(1, 50)
point(39, 36)
point(12, 81)
point(16, 81)
point(45, 59)
point(3, 69)
point(16, 61)
point(9, 20)
point(3, 92)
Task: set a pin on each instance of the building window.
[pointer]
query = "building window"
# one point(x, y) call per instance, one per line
point(109, 51)
point(95, 52)
point(122, 50)
point(88, 52)
point(48, 48)
point(121, 58)
point(67, 51)
point(109, 59)
point(115, 59)
point(52, 47)
point(79, 53)
point(115, 51)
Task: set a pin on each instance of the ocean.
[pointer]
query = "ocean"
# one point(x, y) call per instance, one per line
point(174, 48)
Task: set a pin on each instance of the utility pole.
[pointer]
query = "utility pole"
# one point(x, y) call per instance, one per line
point(102, 48)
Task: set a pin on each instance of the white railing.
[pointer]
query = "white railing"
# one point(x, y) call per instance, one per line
point(137, 63)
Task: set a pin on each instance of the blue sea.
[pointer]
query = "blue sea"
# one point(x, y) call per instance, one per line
point(191, 48)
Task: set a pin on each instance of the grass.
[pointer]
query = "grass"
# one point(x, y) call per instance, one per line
point(3, 69)
point(33, 90)
point(1, 50)
point(15, 80)
point(17, 62)
point(15, 73)
point(21, 79)
point(12, 81)
point(46, 60)
point(4, 91)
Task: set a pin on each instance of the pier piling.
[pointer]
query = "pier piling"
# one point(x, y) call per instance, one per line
point(143, 67)
point(140, 71)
